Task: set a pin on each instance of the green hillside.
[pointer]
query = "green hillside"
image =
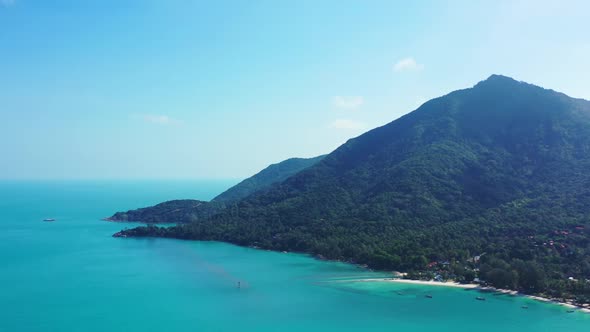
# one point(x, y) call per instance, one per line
point(500, 168)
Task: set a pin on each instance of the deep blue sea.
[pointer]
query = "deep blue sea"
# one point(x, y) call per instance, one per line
point(71, 275)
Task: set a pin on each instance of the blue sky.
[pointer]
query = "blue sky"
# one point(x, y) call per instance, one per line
point(220, 89)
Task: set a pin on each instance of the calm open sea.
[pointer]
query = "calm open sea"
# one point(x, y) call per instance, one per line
point(71, 275)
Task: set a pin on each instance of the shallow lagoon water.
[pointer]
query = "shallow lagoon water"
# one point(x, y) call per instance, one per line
point(71, 275)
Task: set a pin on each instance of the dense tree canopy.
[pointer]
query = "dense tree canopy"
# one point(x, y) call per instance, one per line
point(274, 173)
point(190, 210)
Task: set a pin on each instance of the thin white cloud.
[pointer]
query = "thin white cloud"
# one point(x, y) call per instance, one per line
point(347, 124)
point(7, 3)
point(347, 102)
point(407, 64)
point(158, 119)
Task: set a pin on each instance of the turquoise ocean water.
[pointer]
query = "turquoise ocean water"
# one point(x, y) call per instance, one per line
point(71, 275)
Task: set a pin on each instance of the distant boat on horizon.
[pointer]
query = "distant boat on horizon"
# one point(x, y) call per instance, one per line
point(49, 219)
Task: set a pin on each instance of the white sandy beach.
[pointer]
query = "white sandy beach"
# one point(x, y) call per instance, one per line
point(474, 286)
point(434, 283)
point(422, 282)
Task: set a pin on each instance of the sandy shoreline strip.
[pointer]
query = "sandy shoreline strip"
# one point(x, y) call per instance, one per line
point(472, 286)
point(421, 282)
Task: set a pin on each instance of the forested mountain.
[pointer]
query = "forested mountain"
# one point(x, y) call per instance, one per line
point(188, 210)
point(272, 174)
point(500, 168)
point(175, 211)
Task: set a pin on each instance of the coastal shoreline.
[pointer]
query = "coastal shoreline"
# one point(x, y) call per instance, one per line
point(476, 287)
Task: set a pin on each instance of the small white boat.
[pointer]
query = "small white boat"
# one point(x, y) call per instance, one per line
point(49, 219)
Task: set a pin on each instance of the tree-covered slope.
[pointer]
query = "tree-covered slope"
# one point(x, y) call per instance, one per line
point(274, 173)
point(500, 168)
point(188, 210)
point(182, 210)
